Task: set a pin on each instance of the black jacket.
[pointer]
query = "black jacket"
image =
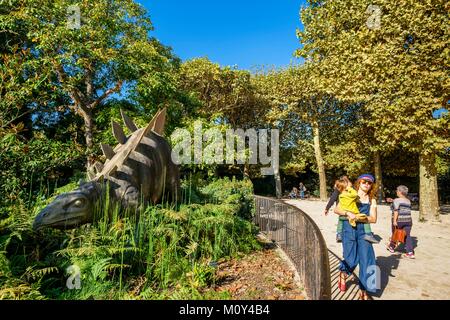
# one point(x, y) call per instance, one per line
point(334, 198)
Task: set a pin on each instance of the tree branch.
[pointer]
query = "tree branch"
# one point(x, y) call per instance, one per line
point(88, 82)
point(107, 93)
point(75, 94)
point(17, 117)
point(10, 31)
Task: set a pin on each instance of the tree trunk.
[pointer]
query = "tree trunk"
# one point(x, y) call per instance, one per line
point(378, 176)
point(246, 171)
point(89, 135)
point(428, 192)
point(320, 162)
point(278, 189)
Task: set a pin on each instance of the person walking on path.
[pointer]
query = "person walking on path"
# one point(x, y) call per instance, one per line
point(334, 198)
point(302, 189)
point(401, 218)
point(356, 250)
point(348, 198)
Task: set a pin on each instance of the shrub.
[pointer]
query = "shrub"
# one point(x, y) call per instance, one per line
point(238, 192)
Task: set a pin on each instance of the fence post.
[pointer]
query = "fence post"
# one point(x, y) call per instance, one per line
point(286, 228)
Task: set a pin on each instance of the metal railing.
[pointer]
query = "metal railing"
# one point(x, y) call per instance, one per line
point(300, 238)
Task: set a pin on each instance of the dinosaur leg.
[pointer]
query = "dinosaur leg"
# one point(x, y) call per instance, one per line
point(173, 183)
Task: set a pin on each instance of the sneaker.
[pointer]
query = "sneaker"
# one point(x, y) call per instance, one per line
point(370, 238)
point(409, 255)
point(338, 237)
point(390, 249)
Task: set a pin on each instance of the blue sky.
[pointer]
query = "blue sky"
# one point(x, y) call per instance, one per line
point(245, 33)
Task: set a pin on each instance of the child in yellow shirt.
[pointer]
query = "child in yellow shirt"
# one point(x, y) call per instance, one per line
point(347, 201)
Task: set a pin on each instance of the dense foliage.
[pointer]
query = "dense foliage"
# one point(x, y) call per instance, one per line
point(367, 98)
point(393, 57)
point(165, 252)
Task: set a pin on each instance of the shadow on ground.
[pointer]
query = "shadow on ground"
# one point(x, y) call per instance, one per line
point(386, 265)
point(352, 292)
point(389, 263)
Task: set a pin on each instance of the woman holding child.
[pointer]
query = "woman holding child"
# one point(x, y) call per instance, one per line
point(358, 209)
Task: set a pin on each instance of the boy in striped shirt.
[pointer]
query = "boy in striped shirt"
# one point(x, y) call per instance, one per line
point(401, 218)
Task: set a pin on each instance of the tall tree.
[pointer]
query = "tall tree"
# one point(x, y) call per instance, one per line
point(228, 96)
point(15, 90)
point(294, 91)
point(226, 93)
point(394, 58)
point(91, 60)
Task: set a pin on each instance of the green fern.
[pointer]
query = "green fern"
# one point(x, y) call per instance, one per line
point(170, 247)
point(33, 274)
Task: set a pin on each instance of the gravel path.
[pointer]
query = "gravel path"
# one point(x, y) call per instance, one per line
point(426, 277)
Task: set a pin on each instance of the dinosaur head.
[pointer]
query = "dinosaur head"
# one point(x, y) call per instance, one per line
point(70, 209)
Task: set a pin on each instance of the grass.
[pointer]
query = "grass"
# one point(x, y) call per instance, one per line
point(164, 252)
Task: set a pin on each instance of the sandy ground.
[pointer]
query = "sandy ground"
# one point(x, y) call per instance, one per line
point(426, 277)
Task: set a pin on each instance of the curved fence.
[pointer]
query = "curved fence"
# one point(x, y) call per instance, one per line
point(300, 238)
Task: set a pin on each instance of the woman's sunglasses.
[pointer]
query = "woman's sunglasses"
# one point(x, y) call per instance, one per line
point(366, 182)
